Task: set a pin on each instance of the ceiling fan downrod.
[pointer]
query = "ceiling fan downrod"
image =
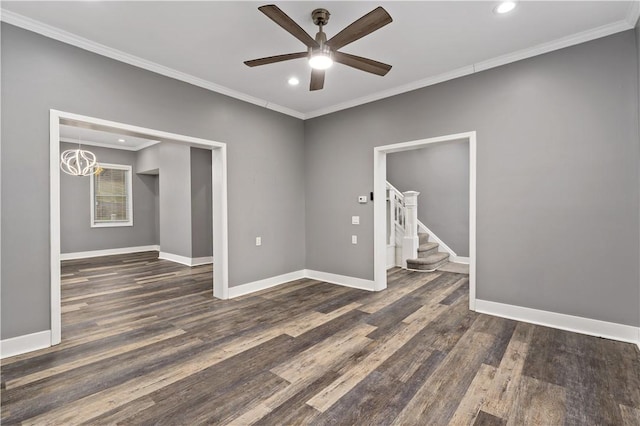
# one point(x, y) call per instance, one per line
point(320, 18)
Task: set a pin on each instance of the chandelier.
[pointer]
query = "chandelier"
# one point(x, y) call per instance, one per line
point(79, 162)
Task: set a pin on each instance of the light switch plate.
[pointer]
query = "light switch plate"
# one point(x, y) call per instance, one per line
point(354, 239)
point(355, 220)
point(258, 241)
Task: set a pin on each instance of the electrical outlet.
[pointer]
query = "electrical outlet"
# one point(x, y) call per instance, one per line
point(258, 241)
point(355, 220)
point(354, 239)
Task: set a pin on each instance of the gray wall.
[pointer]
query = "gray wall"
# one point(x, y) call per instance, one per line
point(557, 177)
point(201, 208)
point(264, 148)
point(148, 159)
point(148, 162)
point(175, 199)
point(440, 172)
point(76, 233)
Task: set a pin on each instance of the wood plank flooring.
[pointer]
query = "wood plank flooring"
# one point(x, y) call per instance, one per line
point(144, 342)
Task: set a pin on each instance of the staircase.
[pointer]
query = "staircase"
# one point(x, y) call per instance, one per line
point(414, 246)
point(429, 257)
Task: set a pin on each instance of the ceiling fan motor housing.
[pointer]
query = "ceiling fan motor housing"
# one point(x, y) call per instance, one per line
point(320, 16)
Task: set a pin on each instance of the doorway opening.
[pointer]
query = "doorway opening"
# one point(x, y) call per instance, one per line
point(220, 285)
point(380, 205)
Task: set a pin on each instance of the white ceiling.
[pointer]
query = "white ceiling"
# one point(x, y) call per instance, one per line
point(206, 43)
point(87, 136)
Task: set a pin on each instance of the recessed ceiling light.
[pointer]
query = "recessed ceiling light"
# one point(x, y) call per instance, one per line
point(121, 140)
point(294, 81)
point(505, 7)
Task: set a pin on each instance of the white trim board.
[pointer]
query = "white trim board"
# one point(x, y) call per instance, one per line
point(184, 260)
point(25, 343)
point(588, 326)
point(205, 260)
point(107, 252)
point(342, 280)
point(66, 37)
point(264, 284)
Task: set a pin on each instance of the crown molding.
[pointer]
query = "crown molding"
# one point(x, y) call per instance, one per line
point(57, 34)
point(540, 49)
point(86, 44)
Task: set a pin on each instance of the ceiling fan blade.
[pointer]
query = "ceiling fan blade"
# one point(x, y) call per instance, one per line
point(317, 80)
point(277, 58)
point(363, 64)
point(369, 23)
point(282, 19)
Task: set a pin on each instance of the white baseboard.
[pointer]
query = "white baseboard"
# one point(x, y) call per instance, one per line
point(254, 286)
point(460, 259)
point(107, 252)
point(591, 327)
point(188, 261)
point(26, 343)
point(196, 261)
point(343, 280)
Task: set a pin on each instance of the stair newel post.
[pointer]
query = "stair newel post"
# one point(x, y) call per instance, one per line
point(410, 241)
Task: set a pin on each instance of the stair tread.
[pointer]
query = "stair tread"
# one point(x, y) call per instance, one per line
point(432, 258)
point(427, 246)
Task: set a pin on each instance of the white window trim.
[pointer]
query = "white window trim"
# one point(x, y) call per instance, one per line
point(92, 201)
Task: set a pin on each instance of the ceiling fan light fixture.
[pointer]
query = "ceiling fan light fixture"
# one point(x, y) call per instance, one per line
point(320, 61)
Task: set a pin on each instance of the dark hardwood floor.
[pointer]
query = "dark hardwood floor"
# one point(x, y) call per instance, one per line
point(144, 342)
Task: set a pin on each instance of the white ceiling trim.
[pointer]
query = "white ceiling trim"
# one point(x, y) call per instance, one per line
point(86, 44)
point(111, 146)
point(55, 33)
point(560, 43)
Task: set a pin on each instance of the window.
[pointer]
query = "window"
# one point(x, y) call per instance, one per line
point(111, 196)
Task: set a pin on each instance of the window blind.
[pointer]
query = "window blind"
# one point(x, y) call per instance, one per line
point(111, 195)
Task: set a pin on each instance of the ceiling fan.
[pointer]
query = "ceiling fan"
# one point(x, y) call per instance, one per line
point(321, 52)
